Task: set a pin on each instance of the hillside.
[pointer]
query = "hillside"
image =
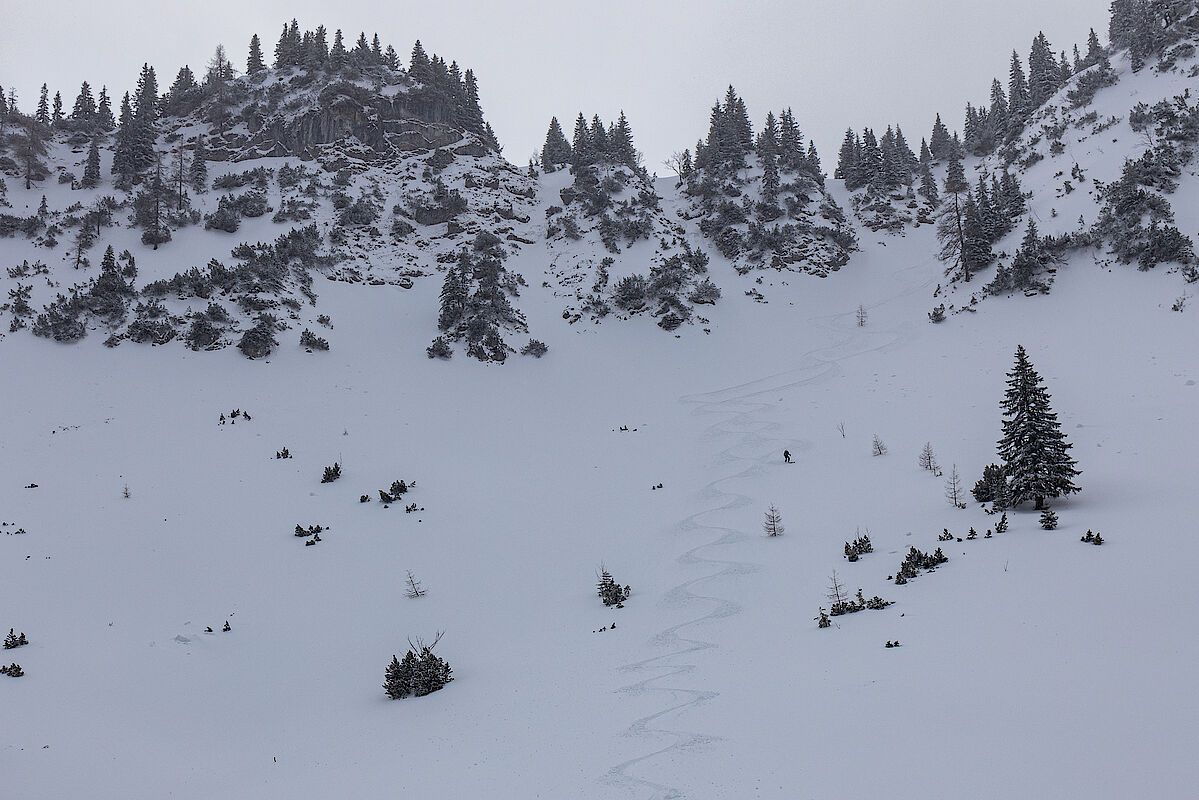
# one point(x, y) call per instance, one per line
point(139, 510)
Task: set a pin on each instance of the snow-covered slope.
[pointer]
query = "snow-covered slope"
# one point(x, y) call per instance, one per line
point(1030, 664)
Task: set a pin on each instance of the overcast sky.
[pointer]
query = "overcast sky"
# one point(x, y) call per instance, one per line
point(837, 63)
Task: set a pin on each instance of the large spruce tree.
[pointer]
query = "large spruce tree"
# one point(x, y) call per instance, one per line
point(254, 62)
point(1034, 450)
point(556, 150)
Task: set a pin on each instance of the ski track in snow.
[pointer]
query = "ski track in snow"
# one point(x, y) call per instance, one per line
point(756, 443)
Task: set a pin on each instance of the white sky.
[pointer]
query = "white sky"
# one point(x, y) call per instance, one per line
point(835, 62)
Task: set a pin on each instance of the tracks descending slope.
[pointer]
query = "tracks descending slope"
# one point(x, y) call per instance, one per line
point(749, 440)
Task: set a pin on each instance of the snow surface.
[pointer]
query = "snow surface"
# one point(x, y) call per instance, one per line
point(1031, 665)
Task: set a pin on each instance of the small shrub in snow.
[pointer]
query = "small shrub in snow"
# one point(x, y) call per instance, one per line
point(398, 488)
point(992, 487)
point(917, 560)
point(1001, 526)
point(311, 341)
point(630, 293)
point(13, 641)
point(331, 473)
point(440, 348)
point(859, 547)
point(284, 453)
point(954, 492)
point(705, 293)
point(1048, 519)
point(415, 589)
point(877, 448)
point(823, 621)
point(13, 670)
point(1090, 538)
point(225, 218)
point(258, 341)
point(774, 522)
point(610, 591)
point(420, 673)
point(534, 348)
point(842, 603)
point(937, 314)
point(928, 460)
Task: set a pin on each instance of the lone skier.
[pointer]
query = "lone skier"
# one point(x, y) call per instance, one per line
point(786, 456)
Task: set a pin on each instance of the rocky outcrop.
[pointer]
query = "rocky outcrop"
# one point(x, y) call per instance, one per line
point(406, 121)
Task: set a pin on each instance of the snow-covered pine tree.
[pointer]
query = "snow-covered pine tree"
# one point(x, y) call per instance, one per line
point(623, 151)
point(1044, 72)
point(976, 252)
point(337, 52)
point(104, 117)
point(197, 170)
point(85, 105)
point(42, 114)
point(582, 150)
point(847, 160)
point(254, 62)
point(556, 150)
point(397, 680)
point(1034, 450)
point(91, 168)
point(419, 64)
point(951, 226)
point(940, 145)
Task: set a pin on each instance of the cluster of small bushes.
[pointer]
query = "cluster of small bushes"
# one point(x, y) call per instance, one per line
point(859, 547)
point(441, 206)
point(397, 490)
point(665, 293)
point(421, 672)
point(26, 226)
point(875, 603)
point(917, 560)
point(293, 209)
point(258, 341)
point(331, 473)
point(231, 209)
point(609, 591)
point(105, 298)
point(12, 642)
point(312, 533)
point(358, 213)
point(476, 302)
point(259, 176)
point(311, 341)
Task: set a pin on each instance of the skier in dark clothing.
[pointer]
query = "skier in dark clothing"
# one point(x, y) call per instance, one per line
point(786, 456)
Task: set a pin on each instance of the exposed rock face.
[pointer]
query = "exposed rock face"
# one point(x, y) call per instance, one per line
point(406, 121)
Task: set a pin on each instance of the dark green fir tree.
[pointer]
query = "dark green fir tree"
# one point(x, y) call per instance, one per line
point(1035, 453)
